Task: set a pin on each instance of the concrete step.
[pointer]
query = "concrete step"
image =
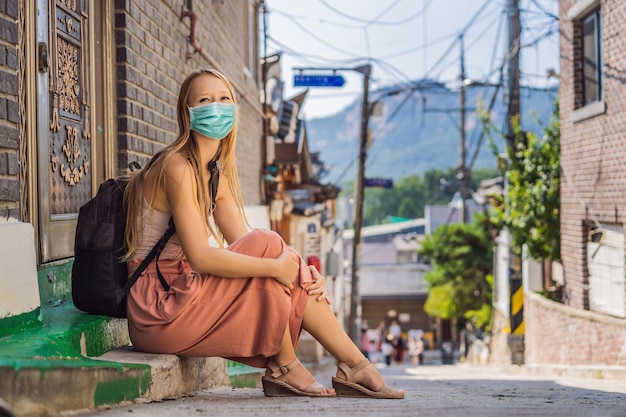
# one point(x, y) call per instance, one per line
point(170, 375)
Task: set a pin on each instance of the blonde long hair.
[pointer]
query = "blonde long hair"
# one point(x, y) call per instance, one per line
point(186, 145)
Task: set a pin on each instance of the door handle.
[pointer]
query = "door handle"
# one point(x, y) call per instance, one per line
point(43, 60)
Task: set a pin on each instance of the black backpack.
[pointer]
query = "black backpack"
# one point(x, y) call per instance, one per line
point(100, 282)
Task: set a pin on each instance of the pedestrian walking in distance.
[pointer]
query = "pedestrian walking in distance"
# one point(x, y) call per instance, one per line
point(247, 295)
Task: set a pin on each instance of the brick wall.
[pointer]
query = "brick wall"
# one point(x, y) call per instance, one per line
point(561, 335)
point(593, 150)
point(9, 110)
point(593, 189)
point(153, 56)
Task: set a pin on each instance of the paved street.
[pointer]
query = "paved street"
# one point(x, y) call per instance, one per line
point(431, 390)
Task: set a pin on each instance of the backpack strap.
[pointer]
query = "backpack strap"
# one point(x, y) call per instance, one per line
point(215, 178)
point(155, 252)
point(171, 229)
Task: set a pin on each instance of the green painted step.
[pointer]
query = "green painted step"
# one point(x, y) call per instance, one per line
point(48, 368)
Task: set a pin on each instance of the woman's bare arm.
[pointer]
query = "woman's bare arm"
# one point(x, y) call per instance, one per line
point(226, 213)
point(180, 187)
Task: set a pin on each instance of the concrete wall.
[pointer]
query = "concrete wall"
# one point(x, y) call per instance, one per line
point(560, 335)
point(19, 293)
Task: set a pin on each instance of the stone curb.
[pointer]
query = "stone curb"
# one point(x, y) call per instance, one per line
point(172, 376)
point(576, 371)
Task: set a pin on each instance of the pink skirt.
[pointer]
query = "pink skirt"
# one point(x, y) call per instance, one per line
point(242, 319)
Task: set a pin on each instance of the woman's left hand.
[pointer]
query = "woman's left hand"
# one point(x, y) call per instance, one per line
point(317, 287)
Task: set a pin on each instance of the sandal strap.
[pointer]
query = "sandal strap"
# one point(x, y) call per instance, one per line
point(351, 372)
point(278, 370)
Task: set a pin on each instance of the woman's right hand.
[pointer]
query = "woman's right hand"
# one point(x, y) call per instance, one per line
point(288, 265)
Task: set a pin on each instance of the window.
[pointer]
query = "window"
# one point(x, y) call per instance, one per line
point(588, 86)
point(605, 264)
point(251, 25)
point(591, 55)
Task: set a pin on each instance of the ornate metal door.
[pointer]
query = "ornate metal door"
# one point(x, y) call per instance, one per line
point(65, 174)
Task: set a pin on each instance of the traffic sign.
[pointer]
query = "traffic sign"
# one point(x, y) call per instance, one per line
point(379, 182)
point(318, 80)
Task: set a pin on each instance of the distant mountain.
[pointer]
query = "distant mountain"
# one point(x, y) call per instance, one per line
point(418, 133)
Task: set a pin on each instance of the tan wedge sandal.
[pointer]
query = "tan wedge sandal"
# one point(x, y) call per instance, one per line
point(275, 386)
point(349, 387)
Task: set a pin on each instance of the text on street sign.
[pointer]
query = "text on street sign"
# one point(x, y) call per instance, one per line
point(318, 80)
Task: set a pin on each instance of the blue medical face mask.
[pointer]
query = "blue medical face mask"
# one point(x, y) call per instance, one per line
point(214, 120)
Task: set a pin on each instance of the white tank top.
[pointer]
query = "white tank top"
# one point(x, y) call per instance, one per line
point(155, 223)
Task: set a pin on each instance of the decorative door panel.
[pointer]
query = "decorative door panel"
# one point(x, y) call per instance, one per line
point(65, 145)
point(70, 144)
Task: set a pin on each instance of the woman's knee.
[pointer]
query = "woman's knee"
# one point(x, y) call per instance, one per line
point(271, 241)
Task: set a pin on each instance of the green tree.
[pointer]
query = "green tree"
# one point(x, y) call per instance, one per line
point(531, 207)
point(460, 282)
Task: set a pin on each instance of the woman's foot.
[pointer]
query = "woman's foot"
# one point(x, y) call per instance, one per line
point(292, 380)
point(363, 380)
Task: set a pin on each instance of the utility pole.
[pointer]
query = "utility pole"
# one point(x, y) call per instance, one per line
point(355, 300)
point(514, 42)
point(516, 290)
point(462, 175)
point(337, 81)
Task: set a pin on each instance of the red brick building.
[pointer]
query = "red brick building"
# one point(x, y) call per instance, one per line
point(590, 328)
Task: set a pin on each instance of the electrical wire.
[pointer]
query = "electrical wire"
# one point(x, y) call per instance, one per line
point(317, 38)
point(475, 17)
point(395, 73)
point(420, 47)
point(375, 22)
point(544, 33)
point(489, 110)
point(322, 21)
point(398, 75)
point(477, 137)
point(381, 14)
point(461, 32)
point(547, 13)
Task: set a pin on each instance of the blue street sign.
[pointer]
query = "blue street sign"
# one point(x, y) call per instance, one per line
point(318, 80)
point(379, 182)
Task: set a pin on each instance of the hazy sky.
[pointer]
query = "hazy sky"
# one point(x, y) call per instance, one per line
point(405, 40)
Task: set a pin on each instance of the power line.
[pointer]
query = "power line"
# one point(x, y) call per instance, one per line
point(322, 21)
point(547, 13)
point(381, 14)
point(379, 61)
point(394, 72)
point(375, 22)
point(420, 47)
point(461, 32)
point(317, 38)
point(538, 32)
